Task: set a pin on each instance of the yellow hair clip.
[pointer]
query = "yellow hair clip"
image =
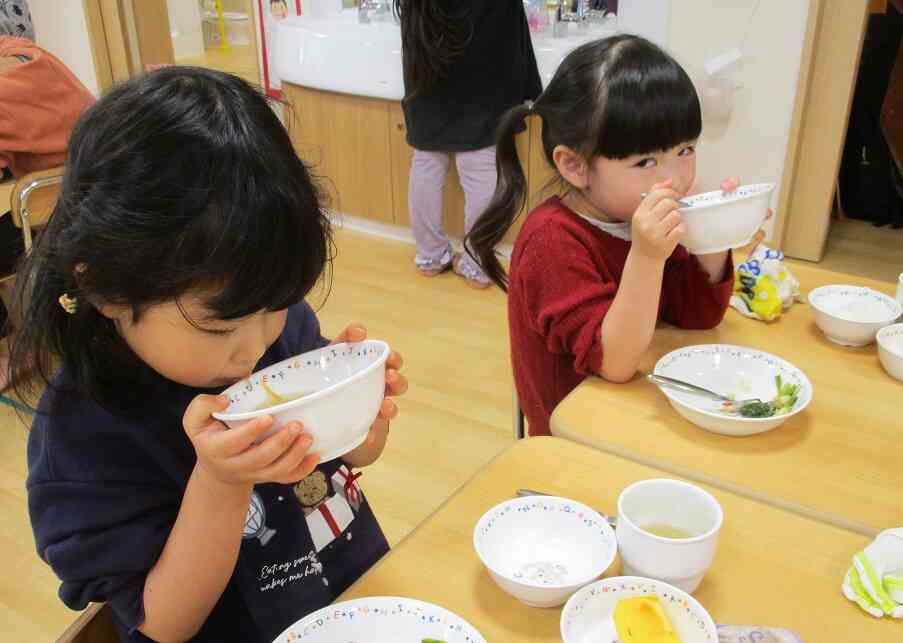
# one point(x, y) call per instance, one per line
point(69, 304)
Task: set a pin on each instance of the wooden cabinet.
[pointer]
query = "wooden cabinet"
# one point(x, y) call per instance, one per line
point(357, 146)
point(345, 139)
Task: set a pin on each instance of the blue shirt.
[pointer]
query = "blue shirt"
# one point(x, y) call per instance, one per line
point(104, 492)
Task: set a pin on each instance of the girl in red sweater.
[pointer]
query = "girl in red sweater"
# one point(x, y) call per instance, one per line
point(593, 270)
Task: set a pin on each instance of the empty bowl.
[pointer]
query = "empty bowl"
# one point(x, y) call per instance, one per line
point(541, 549)
point(890, 349)
point(733, 371)
point(852, 315)
point(588, 615)
point(335, 391)
point(718, 221)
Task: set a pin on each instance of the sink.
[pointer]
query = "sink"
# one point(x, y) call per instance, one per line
point(341, 55)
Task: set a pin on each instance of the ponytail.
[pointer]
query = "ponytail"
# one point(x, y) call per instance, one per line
point(507, 202)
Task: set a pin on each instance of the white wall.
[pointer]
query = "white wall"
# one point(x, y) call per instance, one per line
point(752, 144)
point(60, 28)
point(185, 25)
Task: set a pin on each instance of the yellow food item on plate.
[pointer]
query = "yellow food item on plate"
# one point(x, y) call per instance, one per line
point(642, 620)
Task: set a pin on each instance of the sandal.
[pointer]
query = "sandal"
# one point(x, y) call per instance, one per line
point(433, 267)
point(472, 275)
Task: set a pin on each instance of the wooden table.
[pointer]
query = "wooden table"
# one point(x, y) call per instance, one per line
point(772, 567)
point(840, 461)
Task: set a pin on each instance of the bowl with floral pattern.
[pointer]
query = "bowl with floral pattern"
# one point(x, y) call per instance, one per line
point(541, 549)
point(718, 221)
point(588, 616)
point(381, 619)
point(739, 373)
point(852, 315)
point(334, 391)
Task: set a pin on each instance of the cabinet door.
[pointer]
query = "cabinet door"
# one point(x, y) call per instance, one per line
point(454, 195)
point(345, 139)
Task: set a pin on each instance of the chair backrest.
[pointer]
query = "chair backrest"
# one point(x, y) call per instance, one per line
point(94, 625)
point(33, 199)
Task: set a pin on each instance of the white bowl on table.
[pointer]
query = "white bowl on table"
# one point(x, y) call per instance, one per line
point(541, 549)
point(890, 349)
point(343, 386)
point(381, 619)
point(852, 315)
point(733, 371)
point(588, 615)
point(718, 221)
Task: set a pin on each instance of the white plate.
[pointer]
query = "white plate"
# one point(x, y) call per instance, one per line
point(381, 619)
point(587, 617)
point(733, 371)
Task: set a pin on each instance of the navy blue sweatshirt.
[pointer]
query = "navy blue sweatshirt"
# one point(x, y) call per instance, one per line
point(104, 492)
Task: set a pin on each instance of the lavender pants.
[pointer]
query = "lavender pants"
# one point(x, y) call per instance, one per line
point(425, 199)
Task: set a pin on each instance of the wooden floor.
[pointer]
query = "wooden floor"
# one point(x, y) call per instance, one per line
point(859, 248)
point(455, 417)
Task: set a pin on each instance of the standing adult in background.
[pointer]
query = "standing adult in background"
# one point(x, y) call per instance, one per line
point(465, 63)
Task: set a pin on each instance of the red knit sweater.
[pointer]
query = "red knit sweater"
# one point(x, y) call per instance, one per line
point(563, 279)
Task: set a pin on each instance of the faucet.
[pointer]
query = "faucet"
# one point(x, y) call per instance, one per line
point(583, 12)
point(368, 8)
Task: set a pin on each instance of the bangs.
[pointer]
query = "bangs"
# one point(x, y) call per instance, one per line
point(256, 237)
point(649, 107)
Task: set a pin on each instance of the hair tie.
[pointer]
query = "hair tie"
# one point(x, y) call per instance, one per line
point(529, 105)
point(69, 303)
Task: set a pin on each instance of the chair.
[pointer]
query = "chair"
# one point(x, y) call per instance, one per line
point(33, 199)
point(94, 625)
point(519, 429)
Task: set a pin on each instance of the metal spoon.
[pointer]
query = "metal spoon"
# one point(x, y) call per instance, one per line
point(687, 387)
point(524, 493)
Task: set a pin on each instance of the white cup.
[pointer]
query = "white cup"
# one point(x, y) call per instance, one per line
point(900, 289)
point(680, 562)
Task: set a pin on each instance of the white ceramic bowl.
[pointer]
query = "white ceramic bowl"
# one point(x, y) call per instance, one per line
point(736, 371)
point(717, 221)
point(852, 315)
point(890, 349)
point(344, 385)
point(587, 617)
point(541, 549)
point(381, 619)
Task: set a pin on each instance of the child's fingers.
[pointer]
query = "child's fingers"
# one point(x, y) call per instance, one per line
point(677, 234)
point(396, 383)
point(770, 214)
point(286, 465)
point(271, 449)
point(730, 184)
point(232, 442)
point(388, 409)
point(353, 333)
point(665, 208)
point(199, 414)
point(671, 221)
point(302, 470)
point(395, 361)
